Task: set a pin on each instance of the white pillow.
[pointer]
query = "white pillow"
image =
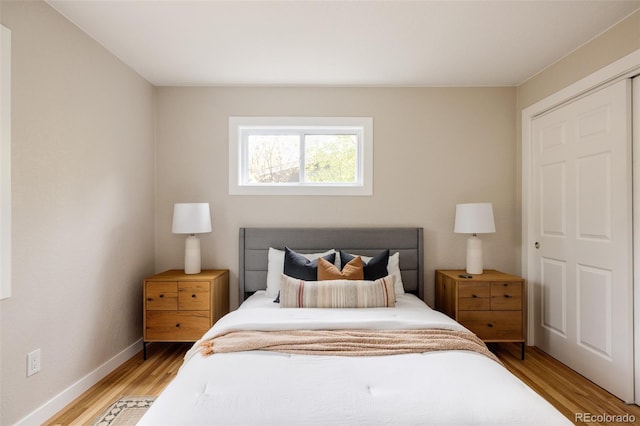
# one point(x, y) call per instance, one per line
point(393, 268)
point(275, 267)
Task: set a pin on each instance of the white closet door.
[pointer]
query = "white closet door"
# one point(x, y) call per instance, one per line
point(582, 216)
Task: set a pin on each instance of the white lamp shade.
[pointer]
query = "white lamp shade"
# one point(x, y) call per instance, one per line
point(191, 218)
point(474, 218)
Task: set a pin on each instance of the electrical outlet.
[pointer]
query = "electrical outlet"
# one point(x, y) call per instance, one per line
point(34, 362)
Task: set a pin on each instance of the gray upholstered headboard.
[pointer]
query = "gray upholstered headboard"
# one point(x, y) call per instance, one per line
point(255, 243)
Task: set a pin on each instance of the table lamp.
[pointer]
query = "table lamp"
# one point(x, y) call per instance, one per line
point(474, 218)
point(191, 218)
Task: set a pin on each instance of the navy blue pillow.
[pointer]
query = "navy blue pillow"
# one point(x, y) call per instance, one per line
point(298, 266)
point(374, 269)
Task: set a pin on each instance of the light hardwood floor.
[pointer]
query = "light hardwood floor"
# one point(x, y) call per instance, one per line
point(135, 377)
point(565, 389)
point(568, 391)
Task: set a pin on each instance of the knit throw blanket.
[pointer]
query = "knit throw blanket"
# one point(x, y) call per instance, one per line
point(346, 342)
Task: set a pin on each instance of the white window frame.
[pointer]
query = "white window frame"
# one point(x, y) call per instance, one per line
point(240, 127)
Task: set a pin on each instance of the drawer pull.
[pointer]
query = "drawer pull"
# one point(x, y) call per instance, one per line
point(507, 296)
point(161, 296)
point(474, 296)
point(193, 295)
point(490, 325)
point(178, 325)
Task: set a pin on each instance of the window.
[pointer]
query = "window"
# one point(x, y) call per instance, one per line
point(300, 155)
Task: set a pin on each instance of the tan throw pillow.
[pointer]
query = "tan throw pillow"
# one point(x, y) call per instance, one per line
point(354, 270)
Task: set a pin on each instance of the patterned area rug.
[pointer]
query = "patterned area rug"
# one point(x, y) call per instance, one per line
point(126, 411)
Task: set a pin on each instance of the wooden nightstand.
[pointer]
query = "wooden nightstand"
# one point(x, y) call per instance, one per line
point(491, 305)
point(179, 307)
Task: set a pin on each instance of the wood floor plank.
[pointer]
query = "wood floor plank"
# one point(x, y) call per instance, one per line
point(136, 377)
point(572, 394)
point(565, 389)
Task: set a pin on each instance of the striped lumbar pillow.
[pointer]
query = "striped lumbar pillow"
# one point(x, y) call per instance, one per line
point(296, 293)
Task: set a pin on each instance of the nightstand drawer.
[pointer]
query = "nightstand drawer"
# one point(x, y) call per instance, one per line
point(493, 325)
point(474, 303)
point(506, 296)
point(474, 289)
point(175, 326)
point(161, 296)
point(194, 296)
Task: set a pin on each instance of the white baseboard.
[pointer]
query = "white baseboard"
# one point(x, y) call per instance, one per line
point(58, 402)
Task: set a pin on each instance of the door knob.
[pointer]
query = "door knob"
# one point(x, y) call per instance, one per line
point(537, 245)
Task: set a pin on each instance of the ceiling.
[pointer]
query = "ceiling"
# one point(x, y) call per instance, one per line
point(353, 43)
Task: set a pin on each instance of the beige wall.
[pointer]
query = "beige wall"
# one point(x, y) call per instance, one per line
point(619, 41)
point(433, 148)
point(82, 206)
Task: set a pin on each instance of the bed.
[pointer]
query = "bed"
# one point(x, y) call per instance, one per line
point(308, 376)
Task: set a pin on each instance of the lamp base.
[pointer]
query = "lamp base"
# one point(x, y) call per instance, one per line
point(192, 255)
point(474, 256)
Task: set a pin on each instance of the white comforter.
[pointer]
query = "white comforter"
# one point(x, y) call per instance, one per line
point(265, 388)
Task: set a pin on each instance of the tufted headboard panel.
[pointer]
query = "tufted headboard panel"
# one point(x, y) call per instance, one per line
point(255, 243)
